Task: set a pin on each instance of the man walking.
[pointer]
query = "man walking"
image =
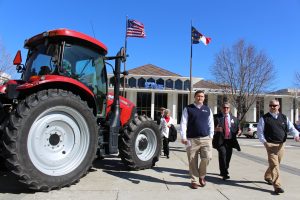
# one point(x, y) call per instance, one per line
point(227, 128)
point(197, 129)
point(272, 131)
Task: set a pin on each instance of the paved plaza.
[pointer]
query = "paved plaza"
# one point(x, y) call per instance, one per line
point(109, 179)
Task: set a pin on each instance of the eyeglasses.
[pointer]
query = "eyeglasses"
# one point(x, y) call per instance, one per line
point(226, 107)
point(273, 106)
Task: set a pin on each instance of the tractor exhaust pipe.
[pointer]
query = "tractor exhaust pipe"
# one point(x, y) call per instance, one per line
point(114, 119)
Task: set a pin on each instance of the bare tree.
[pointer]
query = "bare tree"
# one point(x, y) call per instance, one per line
point(6, 63)
point(244, 73)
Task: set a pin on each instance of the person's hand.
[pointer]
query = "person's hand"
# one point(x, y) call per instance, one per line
point(297, 139)
point(239, 133)
point(218, 128)
point(184, 141)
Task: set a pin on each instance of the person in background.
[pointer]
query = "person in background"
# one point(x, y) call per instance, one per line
point(197, 130)
point(160, 115)
point(166, 122)
point(272, 131)
point(226, 130)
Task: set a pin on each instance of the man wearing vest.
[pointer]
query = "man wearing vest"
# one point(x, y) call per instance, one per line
point(197, 130)
point(272, 131)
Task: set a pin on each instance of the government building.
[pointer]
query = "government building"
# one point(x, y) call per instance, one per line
point(150, 87)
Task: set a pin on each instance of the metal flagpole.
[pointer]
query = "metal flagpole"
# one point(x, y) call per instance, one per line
point(125, 55)
point(191, 84)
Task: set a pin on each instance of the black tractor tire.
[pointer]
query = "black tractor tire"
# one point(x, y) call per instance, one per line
point(51, 139)
point(140, 143)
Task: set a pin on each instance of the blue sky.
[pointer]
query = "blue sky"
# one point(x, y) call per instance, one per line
point(270, 25)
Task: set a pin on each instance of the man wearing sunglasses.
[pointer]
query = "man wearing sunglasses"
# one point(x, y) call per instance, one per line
point(226, 130)
point(272, 131)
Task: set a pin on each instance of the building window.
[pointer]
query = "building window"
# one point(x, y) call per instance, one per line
point(143, 103)
point(280, 103)
point(182, 103)
point(160, 82)
point(169, 84)
point(132, 82)
point(220, 100)
point(259, 107)
point(122, 82)
point(160, 100)
point(112, 81)
point(205, 100)
point(178, 84)
point(151, 80)
point(141, 82)
point(186, 85)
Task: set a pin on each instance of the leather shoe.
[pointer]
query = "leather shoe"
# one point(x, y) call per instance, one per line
point(226, 177)
point(269, 181)
point(202, 182)
point(194, 185)
point(279, 190)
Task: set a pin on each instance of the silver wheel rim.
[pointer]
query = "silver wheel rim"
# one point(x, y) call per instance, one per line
point(58, 141)
point(145, 144)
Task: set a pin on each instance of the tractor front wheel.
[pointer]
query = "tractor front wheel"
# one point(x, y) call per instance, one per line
point(51, 139)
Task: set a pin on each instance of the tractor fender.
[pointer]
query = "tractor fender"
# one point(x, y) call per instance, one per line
point(55, 81)
point(127, 108)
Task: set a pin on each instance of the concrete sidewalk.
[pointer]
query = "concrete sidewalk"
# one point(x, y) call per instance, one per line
point(169, 179)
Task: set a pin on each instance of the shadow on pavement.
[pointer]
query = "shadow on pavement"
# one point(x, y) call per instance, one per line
point(211, 177)
point(10, 184)
point(116, 168)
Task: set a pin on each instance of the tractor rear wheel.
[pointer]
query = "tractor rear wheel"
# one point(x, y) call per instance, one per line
point(140, 143)
point(51, 139)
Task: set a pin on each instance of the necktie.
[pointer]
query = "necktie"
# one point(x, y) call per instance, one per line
point(227, 131)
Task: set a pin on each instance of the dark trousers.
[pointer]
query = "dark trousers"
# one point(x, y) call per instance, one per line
point(166, 146)
point(225, 152)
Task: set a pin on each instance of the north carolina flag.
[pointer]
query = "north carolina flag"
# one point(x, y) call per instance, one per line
point(197, 37)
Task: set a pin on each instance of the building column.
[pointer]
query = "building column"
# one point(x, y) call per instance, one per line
point(152, 104)
point(174, 106)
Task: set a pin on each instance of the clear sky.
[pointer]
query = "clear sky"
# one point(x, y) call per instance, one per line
point(271, 25)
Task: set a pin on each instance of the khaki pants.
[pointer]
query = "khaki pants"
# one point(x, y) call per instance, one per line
point(202, 146)
point(275, 154)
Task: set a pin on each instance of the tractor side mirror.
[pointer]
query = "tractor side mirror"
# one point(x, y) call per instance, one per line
point(18, 61)
point(18, 58)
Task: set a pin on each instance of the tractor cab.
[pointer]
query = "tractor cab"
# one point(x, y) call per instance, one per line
point(66, 54)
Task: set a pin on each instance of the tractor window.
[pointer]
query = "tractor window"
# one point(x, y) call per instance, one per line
point(87, 66)
point(41, 60)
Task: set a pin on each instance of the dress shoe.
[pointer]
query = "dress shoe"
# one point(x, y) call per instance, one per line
point(194, 185)
point(278, 190)
point(269, 181)
point(202, 182)
point(168, 157)
point(226, 177)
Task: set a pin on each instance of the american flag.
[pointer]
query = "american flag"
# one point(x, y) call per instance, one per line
point(135, 29)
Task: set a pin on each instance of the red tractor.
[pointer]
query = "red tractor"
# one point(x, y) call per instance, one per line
point(59, 116)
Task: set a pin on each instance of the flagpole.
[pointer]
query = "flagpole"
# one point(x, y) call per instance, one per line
point(191, 56)
point(125, 46)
